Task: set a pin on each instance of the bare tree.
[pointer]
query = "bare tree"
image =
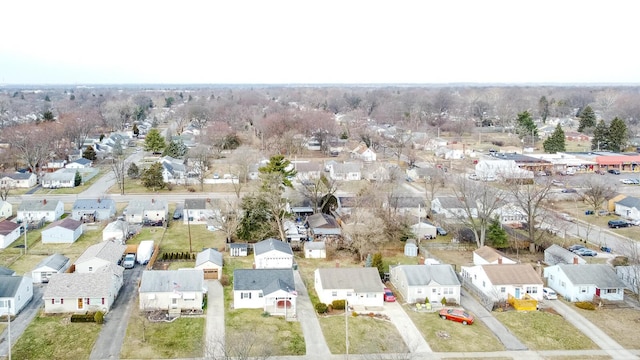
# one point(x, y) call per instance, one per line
point(240, 163)
point(596, 193)
point(119, 166)
point(199, 157)
point(244, 347)
point(4, 192)
point(32, 144)
point(530, 198)
point(318, 190)
point(117, 113)
point(78, 125)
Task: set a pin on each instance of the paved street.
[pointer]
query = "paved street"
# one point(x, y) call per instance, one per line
point(24, 318)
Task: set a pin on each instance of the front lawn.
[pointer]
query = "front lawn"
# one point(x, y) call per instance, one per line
point(367, 335)
point(620, 324)
point(262, 334)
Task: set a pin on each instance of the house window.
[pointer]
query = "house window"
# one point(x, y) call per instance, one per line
point(503, 289)
point(483, 284)
point(245, 295)
point(61, 301)
point(447, 291)
point(563, 284)
point(550, 277)
point(583, 289)
point(52, 302)
point(612, 291)
point(334, 293)
point(90, 268)
point(260, 295)
point(174, 301)
point(419, 291)
point(87, 301)
point(434, 290)
point(370, 295)
point(532, 290)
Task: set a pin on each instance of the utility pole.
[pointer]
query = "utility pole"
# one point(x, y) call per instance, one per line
point(346, 328)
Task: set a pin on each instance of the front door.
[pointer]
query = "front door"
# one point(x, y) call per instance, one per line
point(517, 293)
point(80, 304)
point(597, 292)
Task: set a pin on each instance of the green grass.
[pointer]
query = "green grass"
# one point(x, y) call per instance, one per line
point(450, 336)
point(182, 338)
point(544, 331)
point(55, 337)
point(367, 335)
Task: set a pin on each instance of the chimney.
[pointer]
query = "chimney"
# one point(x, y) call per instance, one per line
point(421, 260)
point(500, 260)
point(153, 201)
point(99, 200)
point(44, 202)
point(337, 264)
point(575, 260)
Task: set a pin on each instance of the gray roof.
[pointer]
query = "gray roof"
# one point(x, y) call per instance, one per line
point(6, 271)
point(407, 202)
point(271, 244)
point(320, 220)
point(359, 279)
point(418, 275)
point(146, 205)
point(238, 246)
point(211, 255)
point(59, 176)
point(82, 161)
point(267, 280)
point(315, 245)
point(630, 202)
point(94, 204)
point(55, 261)
point(81, 285)
point(172, 280)
point(16, 175)
point(9, 285)
point(119, 225)
point(562, 255)
point(38, 205)
point(347, 168)
point(195, 204)
point(601, 275)
point(451, 202)
point(106, 250)
point(67, 223)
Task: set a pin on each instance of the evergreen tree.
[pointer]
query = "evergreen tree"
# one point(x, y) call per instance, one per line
point(618, 135)
point(369, 261)
point(154, 142)
point(136, 131)
point(377, 263)
point(78, 179)
point(89, 153)
point(525, 127)
point(600, 137)
point(556, 142)
point(587, 119)
point(543, 106)
point(133, 171)
point(176, 149)
point(117, 148)
point(255, 224)
point(496, 235)
point(278, 164)
point(47, 98)
point(48, 116)
point(152, 177)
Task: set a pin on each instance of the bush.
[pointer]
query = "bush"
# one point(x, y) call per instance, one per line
point(99, 317)
point(321, 308)
point(224, 281)
point(498, 142)
point(426, 300)
point(88, 317)
point(586, 305)
point(443, 301)
point(266, 314)
point(338, 304)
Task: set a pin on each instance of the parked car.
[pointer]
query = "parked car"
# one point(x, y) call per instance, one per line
point(575, 247)
point(600, 172)
point(614, 171)
point(542, 173)
point(614, 224)
point(626, 181)
point(473, 177)
point(177, 214)
point(557, 183)
point(441, 231)
point(635, 181)
point(549, 294)
point(456, 315)
point(388, 295)
point(585, 252)
point(566, 217)
point(567, 191)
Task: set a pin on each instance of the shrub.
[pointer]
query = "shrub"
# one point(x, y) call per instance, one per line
point(224, 281)
point(426, 300)
point(498, 142)
point(338, 304)
point(586, 305)
point(266, 314)
point(443, 301)
point(99, 317)
point(354, 314)
point(88, 317)
point(321, 308)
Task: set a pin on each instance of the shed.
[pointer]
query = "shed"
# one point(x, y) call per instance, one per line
point(315, 250)
point(53, 264)
point(410, 248)
point(210, 261)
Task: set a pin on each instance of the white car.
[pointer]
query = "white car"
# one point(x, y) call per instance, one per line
point(473, 177)
point(549, 294)
point(566, 217)
point(626, 181)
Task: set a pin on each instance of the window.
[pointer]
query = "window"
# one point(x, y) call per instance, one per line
point(90, 268)
point(447, 291)
point(563, 284)
point(102, 301)
point(483, 284)
point(503, 289)
point(434, 290)
point(531, 290)
point(334, 293)
point(612, 291)
point(245, 295)
point(419, 291)
point(260, 295)
point(370, 295)
point(583, 289)
point(550, 277)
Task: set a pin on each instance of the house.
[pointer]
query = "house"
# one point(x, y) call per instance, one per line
point(117, 231)
point(272, 254)
point(488, 255)
point(52, 264)
point(576, 136)
point(308, 170)
point(576, 282)
point(6, 271)
point(345, 171)
point(15, 293)
point(236, 249)
point(65, 231)
point(323, 226)
point(359, 286)
point(93, 210)
point(417, 283)
point(364, 153)
point(58, 179)
point(628, 207)
point(81, 163)
point(210, 262)
point(272, 290)
point(452, 207)
point(173, 170)
point(554, 255)
point(498, 281)
point(501, 169)
point(198, 211)
point(509, 214)
point(37, 210)
point(18, 180)
point(423, 230)
point(98, 256)
point(9, 232)
point(55, 164)
point(83, 292)
point(6, 209)
point(315, 250)
point(143, 211)
point(173, 290)
point(406, 205)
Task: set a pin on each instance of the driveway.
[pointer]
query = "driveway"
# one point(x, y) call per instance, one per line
point(109, 342)
point(215, 334)
point(407, 329)
point(24, 318)
point(313, 337)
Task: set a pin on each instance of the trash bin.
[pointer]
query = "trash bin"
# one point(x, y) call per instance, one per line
point(589, 212)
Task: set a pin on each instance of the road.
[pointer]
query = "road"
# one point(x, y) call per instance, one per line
point(24, 318)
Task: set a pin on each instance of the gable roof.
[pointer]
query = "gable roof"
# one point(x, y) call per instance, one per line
point(79, 285)
point(347, 168)
point(511, 274)
point(82, 161)
point(172, 280)
point(106, 250)
point(238, 246)
point(6, 271)
point(267, 280)
point(452, 202)
point(315, 245)
point(17, 175)
point(7, 227)
point(9, 285)
point(117, 225)
point(38, 205)
point(490, 254)
point(55, 261)
point(600, 275)
point(195, 204)
point(271, 244)
point(418, 275)
point(211, 255)
point(321, 220)
point(93, 204)
point(67, 223)
point(630, 202)
point(561, 254)
point(359, 279)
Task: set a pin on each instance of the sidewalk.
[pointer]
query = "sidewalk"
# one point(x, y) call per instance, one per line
point(313, 337)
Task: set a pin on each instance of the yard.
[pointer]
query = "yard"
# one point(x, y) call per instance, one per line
point(620, 324)
point(544, 331)
point(367, 335)
point(182, 338)
point(56, 337)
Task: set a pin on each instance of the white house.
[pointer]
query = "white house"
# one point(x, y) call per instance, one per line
point(417, 283)
point(345, 171)
point(18, 180)
point(65, 231)
point(554, 255)
point(52, 264)
point(141, 211)
point(15, 293)
point(359, 286)
point(173, 170)
point(210, 262)
point(116, 230)
point(502, 169)
point(628, 207)
point(452, 207)
point(236, 249)
point(577, 282)
point(308, 171)
point(6, 209)
point(364, 153)
point(36, 210)
point(499, 281)
point(487, 255)
point(422, 230)
point(272, 290)
point(272, 254)
point(315, 250)
point(92, 210)
point(198, 211)
point(9, 232)
point(173, 290)
point(58, 179)
point(509, 214)
point(99, 255)
point(81, 163)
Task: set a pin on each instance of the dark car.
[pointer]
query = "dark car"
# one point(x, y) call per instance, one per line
point(177, 214)
point(441, 231)
point(614, 171)
point(569, 190)
point(614, 224)
point(575, 247)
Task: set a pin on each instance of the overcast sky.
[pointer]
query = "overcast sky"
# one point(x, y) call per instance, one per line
point(310, 41)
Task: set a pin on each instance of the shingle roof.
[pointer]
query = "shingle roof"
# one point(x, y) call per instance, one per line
point(322, 221)
point(315, 245)
point(511, 274)
point(271, 244)
point(211, 255)
point(117, 225)
point(106, 250)
point(9, 285)
point(93, 204)
point(55, 261)
point(267, 280)
point(562, 255)
point(358, 279)
point(630, 202)
point(490, 254)
point(195, 203)
point(600, 275)
point(418, 275)
point(82, 161)
point(67, 223)
point(7, 227)
point(6, 271)
point(172, 280)
point(38, 205)
point(81, 285)
point(451, 202)
point(16, 176)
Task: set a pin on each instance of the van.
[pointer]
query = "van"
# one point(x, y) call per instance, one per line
point(549, 294)
point(129, 261)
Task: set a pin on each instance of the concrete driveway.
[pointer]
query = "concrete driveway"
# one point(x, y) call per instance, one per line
point(316, 345)
point(215, 333)
point(410, 334)
point(24, 318)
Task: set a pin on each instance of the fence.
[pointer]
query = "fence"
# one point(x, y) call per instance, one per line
point(484, 300)
point(449, 246)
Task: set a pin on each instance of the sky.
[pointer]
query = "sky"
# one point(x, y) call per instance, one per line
point(323, 42)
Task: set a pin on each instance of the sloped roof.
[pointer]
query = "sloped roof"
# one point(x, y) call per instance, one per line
point(490, 254)
point(320, 220)
point(347, 168)
point(79, 285)
point(117, 225)
point(82, 161)
point(59, 176)
point(67, 223)
point(359, 279)
point(9, 285)
point(600, 275)
point(630, 202)
point(38, 205)
point(308, 167)
point(6, 271)
point(420, 275)
point(562, 255)
point(7, 227)
point(195, 204)
point(55, 261)
point(271, 244)
point(315, 245)
point(93, 204)
point(452, 202)
point(267, 280)
point(16, 175)
point(511, 274)
point(172, 280)
point(207, 255)
point(106, 250)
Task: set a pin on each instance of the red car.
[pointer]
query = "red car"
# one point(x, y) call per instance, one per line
point(456, 315)
point(388, 295)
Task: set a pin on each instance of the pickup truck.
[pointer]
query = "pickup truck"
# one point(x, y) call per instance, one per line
point(129, 261)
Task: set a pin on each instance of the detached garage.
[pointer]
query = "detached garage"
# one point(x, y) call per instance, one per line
point(210, 262)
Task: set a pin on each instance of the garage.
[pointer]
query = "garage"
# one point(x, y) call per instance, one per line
point(210, 274)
